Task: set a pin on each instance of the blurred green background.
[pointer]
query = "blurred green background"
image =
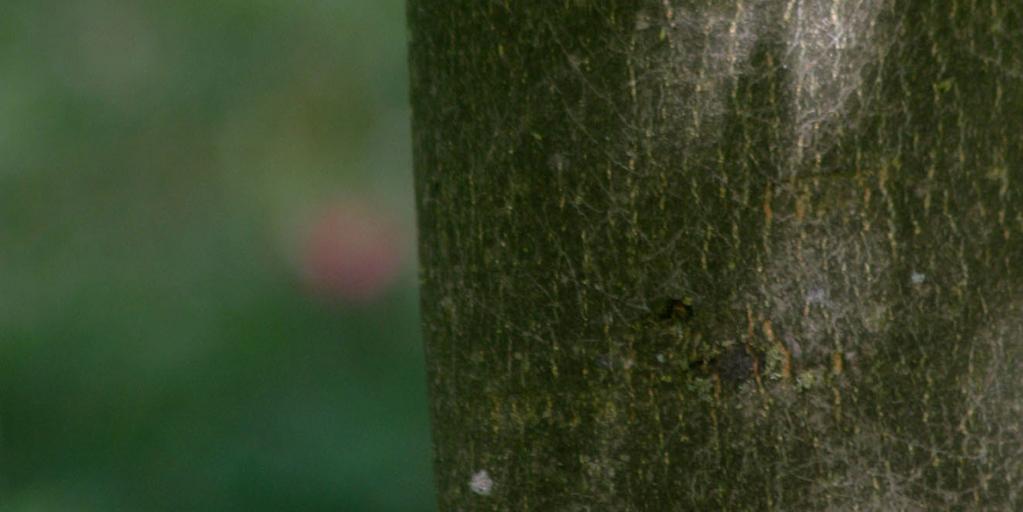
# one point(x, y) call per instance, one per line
point(207, 284)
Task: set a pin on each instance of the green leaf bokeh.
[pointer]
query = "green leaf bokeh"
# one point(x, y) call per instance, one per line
point(159, 164)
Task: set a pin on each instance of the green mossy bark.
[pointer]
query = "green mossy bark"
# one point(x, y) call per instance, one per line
point(737, 255)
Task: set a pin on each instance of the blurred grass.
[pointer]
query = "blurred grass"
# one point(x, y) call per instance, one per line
point(159, 164)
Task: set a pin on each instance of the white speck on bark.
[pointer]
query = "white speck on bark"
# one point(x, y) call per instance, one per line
point(481, 483)
point(817, 296)
point(917, 278)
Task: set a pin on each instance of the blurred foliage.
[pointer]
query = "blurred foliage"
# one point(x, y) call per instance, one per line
point(160, 163)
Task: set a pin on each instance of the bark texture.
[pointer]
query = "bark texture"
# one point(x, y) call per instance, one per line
point(729, 255)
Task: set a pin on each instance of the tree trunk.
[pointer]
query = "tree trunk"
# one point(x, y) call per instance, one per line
point(731, 255)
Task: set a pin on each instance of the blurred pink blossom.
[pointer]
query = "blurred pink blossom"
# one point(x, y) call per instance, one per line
point(352, 253)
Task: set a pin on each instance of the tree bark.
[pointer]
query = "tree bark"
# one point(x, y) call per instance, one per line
point(731, 255)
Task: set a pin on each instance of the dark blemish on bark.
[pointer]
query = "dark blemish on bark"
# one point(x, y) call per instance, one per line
point(736, 365)
point(680, 310)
